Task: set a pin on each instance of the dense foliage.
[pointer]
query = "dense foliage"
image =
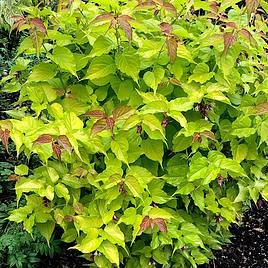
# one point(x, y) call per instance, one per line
point(150, 122)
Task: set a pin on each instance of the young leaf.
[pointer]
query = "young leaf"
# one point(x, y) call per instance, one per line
point(122, 113)
point(124, 24)
point(166, 28)
point(44, 138)
point(56, 149)
point(64, 142)
point(97, 114)
point(229, 39)
point(252, 5)
point(172, 46)
point(39, 25)
point(161, 223)
point(99, 126)
point(4, 136)
point(169, 7)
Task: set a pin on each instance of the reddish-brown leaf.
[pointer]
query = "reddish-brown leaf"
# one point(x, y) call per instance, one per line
point(13, 177)
point(18, 18)
point(103, 17)
point(248, 36)
point(145, 224)
point(169, 7)
point(175, 81)
point(145, 4)
point(18, 24)
point(44, 138)
point(214, 8)
point(122, 112)
point(229, 39)
point(64, 142)
point(56, 150)
point(252, 5)
point(99, 126)
point(39, 24)
point(196, 137)
point(161, 224)
point(231, 25)
point(113, 23)
point(172, 46)
point(262, 108)
point(263, 35)
point(209, 134)
point(166, 27)
point(110, 123)
point(124, 24)
point(98, 114)
point(69, 218)
point(4, 136)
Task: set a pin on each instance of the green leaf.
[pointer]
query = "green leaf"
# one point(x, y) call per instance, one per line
point(134, 186)
point(153, 79)
point(184, 53)
point(110, 251)
point(21, 170)
point(181, 143)
point(160, 213)
point(120, 147)
point(128, 62)
point(102, 45)
point(113, 233)
point(153, 149)
point(201, 73)
point(241, 152)
point(42, 72)
point(198, 197)
point(129, 216)
point(62, 191)
point(63, 57)
point(46, 229)
point(198, 126)
point(179, 117)
point(181, 104)
point(100, 67)
point(88, 244)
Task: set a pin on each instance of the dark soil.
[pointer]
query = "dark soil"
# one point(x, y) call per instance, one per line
point(249, 248)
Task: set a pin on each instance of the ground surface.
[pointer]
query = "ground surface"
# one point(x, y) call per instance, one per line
point(250, 242)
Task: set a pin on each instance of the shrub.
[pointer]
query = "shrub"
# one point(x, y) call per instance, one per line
point(150, 120)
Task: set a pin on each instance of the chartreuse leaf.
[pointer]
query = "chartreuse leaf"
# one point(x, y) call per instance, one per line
point(63, 57)
point(102, 45)
point(46, 229)
point(89, 244)
point(42, 72)
point(128, 62)
point(120, 147)
point(129, 216)
point(62, 191)
point(113, 233)
point(134, 186)
point(21, 170)
point(153, 79)
point(153, 149)
point(100, 67)
point(201, 73)
point(110, 251)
